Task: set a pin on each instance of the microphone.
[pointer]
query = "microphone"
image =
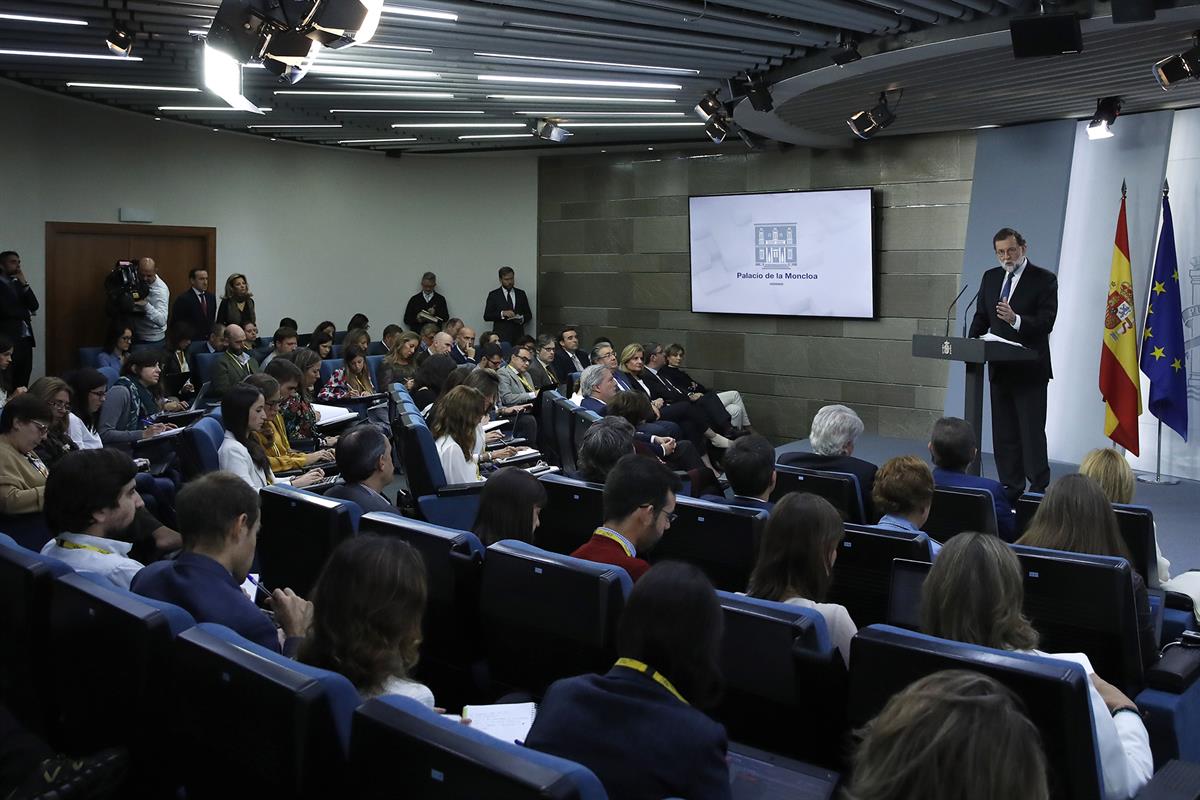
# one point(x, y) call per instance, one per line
point(971, 302)
point(950, 310)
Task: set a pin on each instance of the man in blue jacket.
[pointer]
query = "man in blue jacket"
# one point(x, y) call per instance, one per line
point(952, 448)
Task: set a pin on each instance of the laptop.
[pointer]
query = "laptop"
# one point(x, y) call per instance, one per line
point(904, 594)
point(758, 775)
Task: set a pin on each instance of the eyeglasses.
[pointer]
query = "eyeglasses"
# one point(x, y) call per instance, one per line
point(671, 515)
point(125, 338)
point(42, 427)
point(62, 405)
point(519, 358)
point(101, 393)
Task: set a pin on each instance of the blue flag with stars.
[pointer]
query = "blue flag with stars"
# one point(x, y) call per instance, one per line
point(1163, 357)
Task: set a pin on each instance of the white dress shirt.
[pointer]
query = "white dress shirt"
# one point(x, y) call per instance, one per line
point(1016, 278)
point(83, 436)
point(406, 687)
point(458, 469)
point(152, 326)
point(106, 557)
point(235, 458)
point(837, 620)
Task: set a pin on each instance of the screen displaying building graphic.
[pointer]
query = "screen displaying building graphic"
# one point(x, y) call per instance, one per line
point(775, 245)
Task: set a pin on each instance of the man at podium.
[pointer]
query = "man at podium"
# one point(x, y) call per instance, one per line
point(1018, 302)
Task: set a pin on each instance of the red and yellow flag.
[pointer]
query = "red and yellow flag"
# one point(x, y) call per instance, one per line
point(1119, 382)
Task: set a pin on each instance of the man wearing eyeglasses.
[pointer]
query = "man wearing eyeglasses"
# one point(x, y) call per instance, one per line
point(639, 507)
point(541, 370)
point(516, 387)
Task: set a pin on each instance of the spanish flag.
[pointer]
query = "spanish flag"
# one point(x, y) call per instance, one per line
point(1119, 382)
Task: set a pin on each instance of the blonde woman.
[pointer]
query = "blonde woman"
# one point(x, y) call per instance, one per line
point(1112, 472)
point(237, 304)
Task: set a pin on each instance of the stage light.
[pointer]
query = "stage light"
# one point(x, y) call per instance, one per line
point(1107, 111)
point(716, 129)
point(846, 54)
point(223, 77)
point(759, 94)
point(1174, 69)
point(866, 124)
point(119, 40)
point(289, 55)
point(342, 23)
point(708, 106)
point(552, 133)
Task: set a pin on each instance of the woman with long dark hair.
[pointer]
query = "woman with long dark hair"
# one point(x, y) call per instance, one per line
point(430, 380)
point(89, 387)
point(458, 433)
point(6, 359)
point(133, 402)
point(352, 379)
point(299, 417)
point(509, 507)
point(243, 410)
point(116, 347)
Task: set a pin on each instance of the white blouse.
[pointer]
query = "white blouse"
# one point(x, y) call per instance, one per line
point(457, 468)
point(837, 620)
point(409, 688)
point(81, 435)
point(235, 458)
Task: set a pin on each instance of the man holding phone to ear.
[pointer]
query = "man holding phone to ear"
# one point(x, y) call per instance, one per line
point(17, 304)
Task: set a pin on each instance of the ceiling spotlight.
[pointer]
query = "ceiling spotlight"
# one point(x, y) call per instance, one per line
point(716, 129)
point(759, 93)
point(866, 124)
point(1107, 111)
point(847, 53)
point(342, 23)
point(1173, 69)
point(550, 132)
point(119, 40)
point(708, 106)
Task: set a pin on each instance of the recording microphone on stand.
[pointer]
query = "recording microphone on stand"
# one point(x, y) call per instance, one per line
point(967, 317)
point(950, 310)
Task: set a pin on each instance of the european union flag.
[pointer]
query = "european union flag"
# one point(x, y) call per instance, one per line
point(1163, 357)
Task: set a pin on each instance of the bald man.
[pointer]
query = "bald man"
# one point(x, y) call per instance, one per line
point(440, 346)
point(150, 318)
point(234, 364)
point(463, 351)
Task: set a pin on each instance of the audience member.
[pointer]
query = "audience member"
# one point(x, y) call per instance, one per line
point(366, 623)
point(391, 336)
point(507, 307)
point(150, 320)
point(1076, 516)
point(7, 389)
point(89, 387)
point(358, 337)
point(463, 351)
point(975, 593)
point(749, 465)
point(24, 422)
point(427, 332)
point(430, 376)
point(903, 493)
point(603, 354)
point(288, 322)
point(299, 417)
point(273, 434)
point(516, 388)
point(132, 403)
point(234, 365)
point(457, 431)
point(399, 365)
point(487, 382)
point(91, 497)
point(321, 343)
point(509, 506)
point(541, 369)
point(352, 379)
point(116, 347)
point(490, 356)
point(525, 340)
point(216, 339)
point(453, 326)
point(795, 562)
point(606, 442)
point(672, 371)
point(639, 506)
point(358, 321)
point(196, 308)
point(237, 304)
point(17, 303)
point(243, 411)
point(426, 306)
point(219, 521)
point(952, 448)
point(285, 341)
point(566, 357)
point(834, 431)
point(952, 735)
point(641, 728)
point(636, 407)
point(704, 408)
point(1112, 473)
point(179, 340)
point(326, 327)
point(692, 424)
point(488, 337)
point(56, 394)
point(364, 459)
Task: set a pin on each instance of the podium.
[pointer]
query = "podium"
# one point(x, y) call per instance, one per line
point(974, 353)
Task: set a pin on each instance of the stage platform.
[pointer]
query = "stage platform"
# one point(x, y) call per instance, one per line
point(1176, 508)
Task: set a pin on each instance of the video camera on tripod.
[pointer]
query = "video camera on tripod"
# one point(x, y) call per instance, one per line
point(125, 291)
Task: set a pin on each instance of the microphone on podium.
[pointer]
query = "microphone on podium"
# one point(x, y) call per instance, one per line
point(950, 310)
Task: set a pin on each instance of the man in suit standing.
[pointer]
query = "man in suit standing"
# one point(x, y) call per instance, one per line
point(195, 309)
point(567, 359)
point(507, 308)
point(1018, 301)
point(17, 302)
point(427, 302)
point(364, 460)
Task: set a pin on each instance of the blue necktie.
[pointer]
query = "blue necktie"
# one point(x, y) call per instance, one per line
point(1007, 287)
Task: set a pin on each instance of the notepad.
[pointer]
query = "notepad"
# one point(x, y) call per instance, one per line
point(991, 337)
point(524, 454)
point(507, 721)
point(333, 414)
point(496, 423)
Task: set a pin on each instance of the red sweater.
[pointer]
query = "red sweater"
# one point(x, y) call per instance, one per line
point(606, 551)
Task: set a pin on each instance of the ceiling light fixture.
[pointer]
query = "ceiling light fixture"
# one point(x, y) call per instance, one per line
point(614, 64)
point(847, 53)
point(552, 133)
point(207, 109)
point(865, 124)
point(342, 23)
point(393, 140)
point(47, 20)
point(223, 77)
point(427, 13)
point(405, 48)
point(400, 111)
point(1107, 111)
point(759, 93)
point(331, 93)
point(576, 82)
point(1174, 69)
point(297, 125)
point(496, 136)
point(139, 87)
point(552, 98)
point(119, 40)
point(343, 71)
point(708, 106)
point(634, 124)
point(716, 129)
point(52, 54)
point(408, 125)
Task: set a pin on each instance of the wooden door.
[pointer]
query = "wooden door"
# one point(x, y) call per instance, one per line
point(80, 255)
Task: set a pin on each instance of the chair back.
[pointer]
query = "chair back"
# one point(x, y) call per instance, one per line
point(250, 718)
point(110, 374)
point(841, 489)
point(328, 365)
point(863, 571)
point(547, 616)
point(202, 365)
point(373, 364)
point(90, 356)
point(582, 419)
point(547, 436)
point(377, 349)
point(884, 660)
point(299, 531)
point(573, 510)
point(201, 446)
point(955, 510)
point(721, 540)
point(564, 433)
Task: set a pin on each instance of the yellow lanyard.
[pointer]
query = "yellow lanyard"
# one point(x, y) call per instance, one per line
point(63, 543)
point(657, 677)
point(607, 534)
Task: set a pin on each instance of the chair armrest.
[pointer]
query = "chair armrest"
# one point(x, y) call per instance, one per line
point(1176, 780)
point(460, 489)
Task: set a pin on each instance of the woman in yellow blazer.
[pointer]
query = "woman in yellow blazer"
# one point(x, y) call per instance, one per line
point(24, 423)
point(273, 436)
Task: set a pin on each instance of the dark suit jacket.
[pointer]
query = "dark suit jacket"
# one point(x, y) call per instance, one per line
point(459, 356)
point(740, 502)
point(363, 497)
point(863, 470)
point(638, 738)
point(681, 380)
point(186, 311)
point(662, 388)
point(541, 378)
point(592, 404)
point(509, 331)
point(16, 303)
point(563, 366)
point(1035, 300)
point(417, 304)
point(1006, 520)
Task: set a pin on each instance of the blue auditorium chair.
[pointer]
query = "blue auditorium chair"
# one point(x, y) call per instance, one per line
point(110, 374)
point(548, 616)
point(328, 365)
point(90, 356)
point(397, 742)
point(252, 723)
point(841, 489)
point(547, 436)
point(863, 570)
point(199, 452)
point(721, 540)
point(442, 503)
point(377, 349)
point(582, 420)
point(202, 366)
point(373, 362)
point(574, 509)
point(299, 531)
point(955, 510)
point(564, 433)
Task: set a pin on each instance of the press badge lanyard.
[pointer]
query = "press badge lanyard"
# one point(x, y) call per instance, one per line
point(657, 677)
point(626, 545)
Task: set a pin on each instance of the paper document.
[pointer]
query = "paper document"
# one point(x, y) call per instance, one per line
point(991, 337)
point(327, 415)
point(496, 423)
point(522, 454)
point(507, 721)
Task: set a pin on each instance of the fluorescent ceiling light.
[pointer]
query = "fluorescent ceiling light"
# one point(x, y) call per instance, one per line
point(497, 136)
point(427, 13)
point(377, 141)
point(550, 98)
point(207, 109)
point(576, 82)
point(280, 127)
point(52, 54)
point(407, 125)
point(398, 111)
point(132, 86)
point(223, 77)
point(413, 95)
point(198, 31)
point(405, 48)
point(50, 20)
point(614, 113)
point(569, 124)
point(545, 59)
point(372, 72)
